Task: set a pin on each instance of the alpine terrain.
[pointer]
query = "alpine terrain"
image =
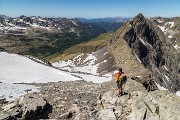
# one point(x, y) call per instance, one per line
point(59, 68)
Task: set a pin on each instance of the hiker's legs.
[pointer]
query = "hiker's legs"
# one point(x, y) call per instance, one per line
point(121, 90)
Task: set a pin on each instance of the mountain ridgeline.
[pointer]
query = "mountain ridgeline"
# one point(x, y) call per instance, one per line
point(42, 37)
point(156, 50)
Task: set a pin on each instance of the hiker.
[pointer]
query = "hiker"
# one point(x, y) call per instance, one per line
point(121, 79)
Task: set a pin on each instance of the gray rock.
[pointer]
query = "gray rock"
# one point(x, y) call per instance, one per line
point(4, 117)
point(107, 114)
point(28, 106)
point(9, 106)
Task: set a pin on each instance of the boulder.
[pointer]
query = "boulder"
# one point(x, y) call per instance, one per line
point(107, 114)
point(33, 105)
point(29, 106)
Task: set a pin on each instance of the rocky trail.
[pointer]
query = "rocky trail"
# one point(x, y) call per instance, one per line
point(62, 100)
point(77, 100)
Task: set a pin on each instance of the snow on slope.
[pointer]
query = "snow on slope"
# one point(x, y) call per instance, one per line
point(166, 26)
point(19, 69)
point(13, 91)
point(88, 65)
point(16, 69)
point(178, 93)
point(85, 69)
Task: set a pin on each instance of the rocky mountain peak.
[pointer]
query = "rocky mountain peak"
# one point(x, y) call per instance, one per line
point(154, 50)
point(139, 17)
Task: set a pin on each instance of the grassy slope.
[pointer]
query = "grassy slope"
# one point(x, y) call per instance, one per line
point(86, 47)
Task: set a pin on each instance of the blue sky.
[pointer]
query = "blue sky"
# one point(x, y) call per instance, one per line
point(90, 8)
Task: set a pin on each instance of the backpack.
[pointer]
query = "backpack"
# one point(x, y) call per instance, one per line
point(124, 77)
point(119, 77)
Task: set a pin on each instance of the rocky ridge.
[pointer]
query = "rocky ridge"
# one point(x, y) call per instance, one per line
point(154, 50)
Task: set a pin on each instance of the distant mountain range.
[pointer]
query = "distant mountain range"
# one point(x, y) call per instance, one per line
point(41, 36)
point(108, 19)
point(23, 23)
point(109, 23)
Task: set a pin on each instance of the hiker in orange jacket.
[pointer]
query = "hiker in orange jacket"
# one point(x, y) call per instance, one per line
point(121, 79)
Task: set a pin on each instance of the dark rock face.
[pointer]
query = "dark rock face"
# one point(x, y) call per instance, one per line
point(2, 49)
point(150, 45)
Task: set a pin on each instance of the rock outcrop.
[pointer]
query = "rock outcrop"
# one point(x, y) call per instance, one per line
point(29, 106)
point(139, 104)
point(152, 48)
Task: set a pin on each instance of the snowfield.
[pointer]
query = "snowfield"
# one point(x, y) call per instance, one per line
point(20, 69)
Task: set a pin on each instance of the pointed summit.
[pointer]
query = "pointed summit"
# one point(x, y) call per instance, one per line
point(140, 15)
point(139, 18)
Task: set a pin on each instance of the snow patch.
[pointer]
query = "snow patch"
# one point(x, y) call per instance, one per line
point(161, 87)
point(142, 41)
point(84, 69)
point(170, 23)
point(165, 68)
point(74, 23)
point(88, 65)
point(41, 20)
point(162, 28)
point(167, 78)
point(170, 36)
point(137, 57)
point(176, 47)
point(13, 91)
point(178, 93)
point(105, 53)
point(160, 21)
